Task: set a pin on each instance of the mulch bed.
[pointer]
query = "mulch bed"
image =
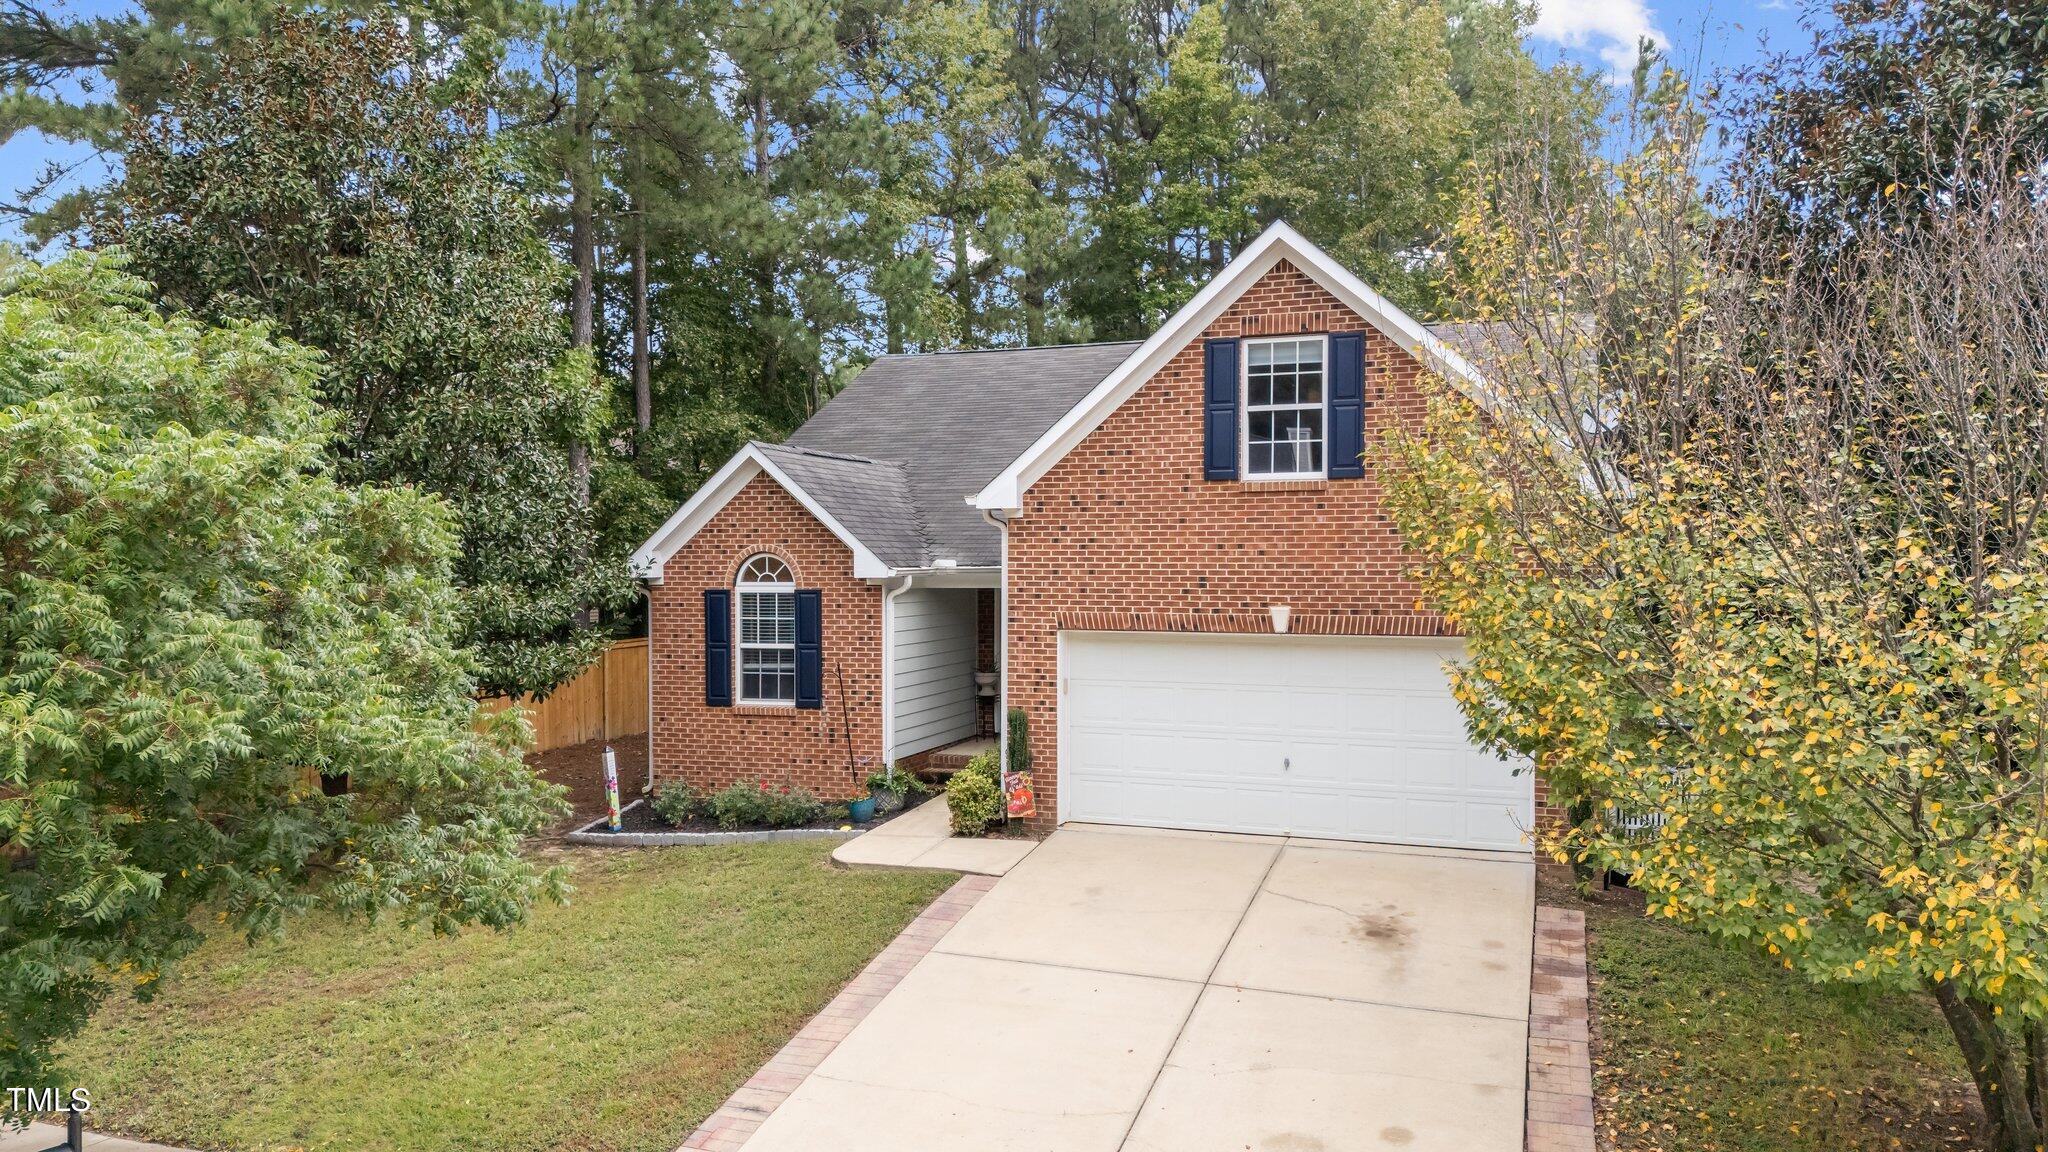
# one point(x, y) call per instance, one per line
point(580, 769)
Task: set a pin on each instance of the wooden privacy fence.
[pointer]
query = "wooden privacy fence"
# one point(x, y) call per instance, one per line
point(608, 701)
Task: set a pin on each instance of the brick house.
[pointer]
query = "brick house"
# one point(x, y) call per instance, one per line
point(1168, 554)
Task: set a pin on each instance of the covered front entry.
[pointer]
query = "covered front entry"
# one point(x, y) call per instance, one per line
point(1322, 736)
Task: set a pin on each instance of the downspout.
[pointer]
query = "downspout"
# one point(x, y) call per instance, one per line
point(648, 788)
point(889, 671)
point(1002, 525)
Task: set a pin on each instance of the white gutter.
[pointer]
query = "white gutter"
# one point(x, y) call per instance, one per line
point(889, 668)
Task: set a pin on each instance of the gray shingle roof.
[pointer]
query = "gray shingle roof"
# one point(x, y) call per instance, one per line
point(896, 455)
point(870, 497)
point(1481, 342)
point(926, 432)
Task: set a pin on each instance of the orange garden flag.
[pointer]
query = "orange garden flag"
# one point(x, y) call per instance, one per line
point(1017, 786)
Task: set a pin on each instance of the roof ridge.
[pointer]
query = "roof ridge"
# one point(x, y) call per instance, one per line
point(1025, 348)
point(824, 455)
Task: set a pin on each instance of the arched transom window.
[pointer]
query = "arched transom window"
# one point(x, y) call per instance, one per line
point(767, 628)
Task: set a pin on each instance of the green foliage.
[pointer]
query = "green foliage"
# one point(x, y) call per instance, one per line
point(1751, 565)
point(678, 803)
point(986, 764)
point(197, 621)
point(974, 800)
point(1020, 741)
point(743, 805)
point(898, 783)
point(1841, 132)
point(317, 181)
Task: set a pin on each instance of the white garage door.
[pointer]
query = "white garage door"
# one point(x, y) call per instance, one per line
point(1306, 735)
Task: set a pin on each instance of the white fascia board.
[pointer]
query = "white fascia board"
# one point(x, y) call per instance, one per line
point(697, 511)
point(1278, 242)
point(717, 492)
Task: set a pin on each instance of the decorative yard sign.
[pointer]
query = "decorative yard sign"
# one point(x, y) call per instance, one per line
point(611, 790)
point(1017, 787)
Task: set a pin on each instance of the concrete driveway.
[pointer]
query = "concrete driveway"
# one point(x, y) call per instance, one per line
point(1184, 992)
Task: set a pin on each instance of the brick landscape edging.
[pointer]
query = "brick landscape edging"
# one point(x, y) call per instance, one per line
point(589, 837)
point(1560, 1117)
point(745, 1110)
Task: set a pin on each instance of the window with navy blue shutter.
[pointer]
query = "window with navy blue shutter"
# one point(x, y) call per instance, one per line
point(810, 650)
point(718, 647)
point(1347, 405)
point(1219, 410)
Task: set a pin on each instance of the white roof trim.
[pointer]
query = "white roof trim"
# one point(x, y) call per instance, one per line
point(649, 559)
point(1278, 242)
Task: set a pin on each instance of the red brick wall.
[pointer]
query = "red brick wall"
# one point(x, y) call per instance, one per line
point(713, 747)
point(1124, 534)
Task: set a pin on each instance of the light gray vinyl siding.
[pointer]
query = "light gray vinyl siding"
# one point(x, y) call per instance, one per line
point(933, 668)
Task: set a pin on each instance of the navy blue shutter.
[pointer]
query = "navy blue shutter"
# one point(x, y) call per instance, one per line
point(718, 647)
point(1219, 410)
point(810, 651)
point(1347, 405)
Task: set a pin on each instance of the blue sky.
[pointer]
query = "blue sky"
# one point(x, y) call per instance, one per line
point(1599, 33)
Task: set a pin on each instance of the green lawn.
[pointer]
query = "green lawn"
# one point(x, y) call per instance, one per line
point(1700, 1047)
point(617, 1022)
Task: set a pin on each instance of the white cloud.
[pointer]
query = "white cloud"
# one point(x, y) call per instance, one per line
point(1608, 29)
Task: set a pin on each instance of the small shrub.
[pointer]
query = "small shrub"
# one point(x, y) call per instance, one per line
point(762, 806)
point(678, 804)
point(985, 764)
point(1020, 742)
point(973, 800)
point(903, 784)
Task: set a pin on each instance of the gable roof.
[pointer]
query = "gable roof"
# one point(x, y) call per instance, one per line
point(1277, 243)
point(887, 464)
point(902, 462)
point(754, 460)
point(952, 420)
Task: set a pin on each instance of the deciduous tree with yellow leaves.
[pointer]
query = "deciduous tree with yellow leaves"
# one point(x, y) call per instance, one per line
point(1747, 550)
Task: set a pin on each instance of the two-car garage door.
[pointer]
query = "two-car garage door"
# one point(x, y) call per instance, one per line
point(1305, 735)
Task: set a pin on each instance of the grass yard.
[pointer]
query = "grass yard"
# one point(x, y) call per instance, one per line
point(1699, 1047)
point(617, 1022)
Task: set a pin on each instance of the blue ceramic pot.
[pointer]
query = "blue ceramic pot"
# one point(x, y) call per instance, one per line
point(861, 811)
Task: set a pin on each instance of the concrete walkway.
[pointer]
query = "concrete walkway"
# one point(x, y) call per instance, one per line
point(921, 838)
point(1186, 992)
point(37, 1137)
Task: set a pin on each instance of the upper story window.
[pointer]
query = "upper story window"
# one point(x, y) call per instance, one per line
point(767, 619)
point(1283, 407)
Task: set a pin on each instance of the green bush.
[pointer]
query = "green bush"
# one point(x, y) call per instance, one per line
point(986, 765)
point(762, 806)
point(902, 784)
point(973, 799)
point(678, 803)
point(1020, 742)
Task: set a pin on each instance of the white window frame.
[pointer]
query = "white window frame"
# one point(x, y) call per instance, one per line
point(1244, 409)
point(750, 583)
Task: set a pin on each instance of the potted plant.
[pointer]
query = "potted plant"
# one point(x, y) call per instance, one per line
point(892, 790)
point(860, 808)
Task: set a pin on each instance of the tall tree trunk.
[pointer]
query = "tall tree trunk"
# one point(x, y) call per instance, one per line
point(2037, 1063)
point(583, 253)
point(767, 267)
point(643, 375)
point(1999, 1069)
point(963, 284)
